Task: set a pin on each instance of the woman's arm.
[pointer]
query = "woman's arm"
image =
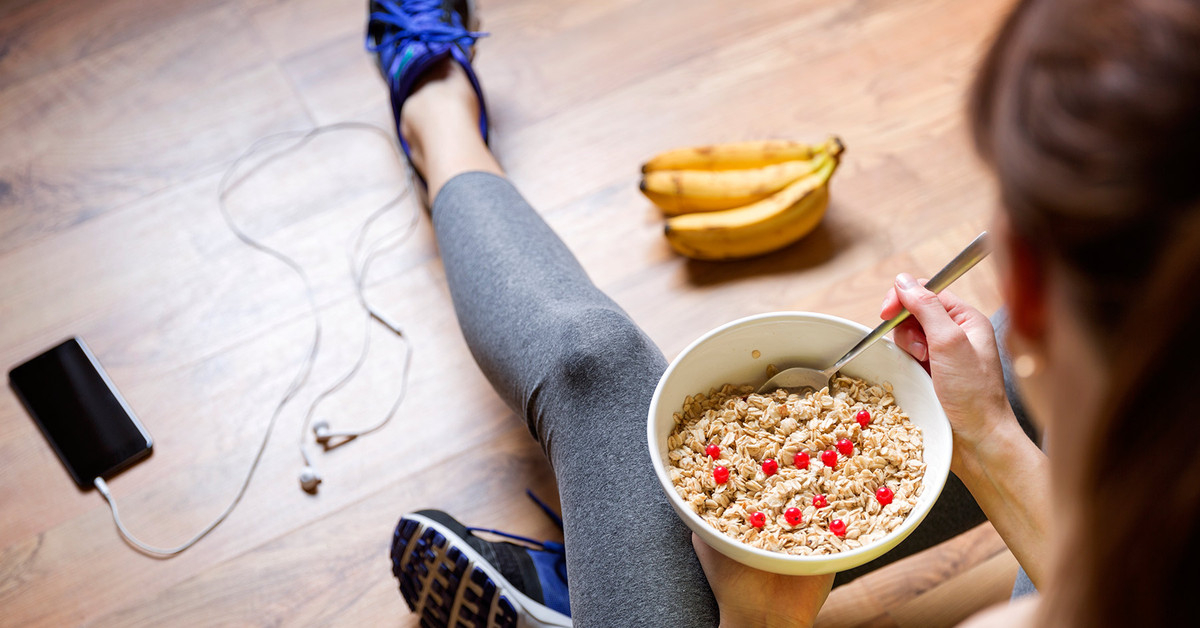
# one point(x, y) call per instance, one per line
point(1005, 472)
point(1010, 479)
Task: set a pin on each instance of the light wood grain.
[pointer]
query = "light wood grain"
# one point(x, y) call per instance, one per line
point(117, 119)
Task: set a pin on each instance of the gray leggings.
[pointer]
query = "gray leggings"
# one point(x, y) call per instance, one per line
point(556, 349)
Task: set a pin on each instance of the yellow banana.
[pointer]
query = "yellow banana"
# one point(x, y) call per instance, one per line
point(736, 155)
point(758, 228)
point(684, 191)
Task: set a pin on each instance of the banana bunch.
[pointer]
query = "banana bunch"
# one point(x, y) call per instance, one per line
point(729, 201)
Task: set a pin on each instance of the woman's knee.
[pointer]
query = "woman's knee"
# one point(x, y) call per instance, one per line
point(602, 346)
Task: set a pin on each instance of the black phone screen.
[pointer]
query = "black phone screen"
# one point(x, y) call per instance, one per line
point(80, 411)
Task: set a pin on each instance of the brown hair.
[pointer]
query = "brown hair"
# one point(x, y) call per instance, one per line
point(1089, 113)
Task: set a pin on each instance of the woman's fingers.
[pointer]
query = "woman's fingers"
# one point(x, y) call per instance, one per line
point(941, 320)
point(928, 310)
point(891, 305)
point(910, 337)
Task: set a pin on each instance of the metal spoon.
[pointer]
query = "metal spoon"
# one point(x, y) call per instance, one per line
point(803, 380)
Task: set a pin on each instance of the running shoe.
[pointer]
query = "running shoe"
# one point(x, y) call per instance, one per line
point(408, 36)
point(452, 577)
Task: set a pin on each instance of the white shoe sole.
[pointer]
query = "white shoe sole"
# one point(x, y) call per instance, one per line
point(445, 581)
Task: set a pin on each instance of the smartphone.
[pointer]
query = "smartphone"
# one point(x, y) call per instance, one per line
point(80, 412)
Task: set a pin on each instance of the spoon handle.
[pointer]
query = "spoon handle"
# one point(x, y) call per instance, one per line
point(964, 261)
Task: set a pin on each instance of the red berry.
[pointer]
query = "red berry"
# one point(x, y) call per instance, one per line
point(801, 460)
point(713, 451)
point(838, 527)
point(721, 475)
point(845, 446)
point(819, 501)
point(758, 520)
point(884, 495)
point(770, 466)
point(829, 457)
point(793, 516)
point(863, 417)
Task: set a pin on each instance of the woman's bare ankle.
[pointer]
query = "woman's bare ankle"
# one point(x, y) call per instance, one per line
point(442, 105)
point(440, 122)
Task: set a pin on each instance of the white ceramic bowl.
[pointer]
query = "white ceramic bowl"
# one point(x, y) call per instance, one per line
point(725, 355)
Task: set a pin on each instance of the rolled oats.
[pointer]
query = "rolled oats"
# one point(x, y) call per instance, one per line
point(751, 428)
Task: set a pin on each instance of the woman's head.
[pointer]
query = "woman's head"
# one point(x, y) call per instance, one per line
point(1089, 114)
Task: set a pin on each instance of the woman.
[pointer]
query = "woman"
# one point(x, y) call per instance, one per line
point(1088, 112)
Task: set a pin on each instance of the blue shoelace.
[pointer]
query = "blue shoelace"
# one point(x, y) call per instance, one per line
point(417, 20)
point(547, 546)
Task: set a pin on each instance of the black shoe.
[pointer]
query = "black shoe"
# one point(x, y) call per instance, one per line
point(451, 577)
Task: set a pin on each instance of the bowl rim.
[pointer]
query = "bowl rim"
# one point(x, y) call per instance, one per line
point(660, 468)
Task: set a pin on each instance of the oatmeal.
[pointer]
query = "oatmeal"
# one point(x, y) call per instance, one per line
point(814, 474)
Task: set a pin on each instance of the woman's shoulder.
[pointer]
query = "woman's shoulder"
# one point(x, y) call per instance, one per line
point(1009, 615)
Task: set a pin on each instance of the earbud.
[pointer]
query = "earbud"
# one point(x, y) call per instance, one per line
point(309, 479)
point(322, 432)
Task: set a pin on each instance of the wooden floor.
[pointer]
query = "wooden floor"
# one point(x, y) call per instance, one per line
point(117, 119)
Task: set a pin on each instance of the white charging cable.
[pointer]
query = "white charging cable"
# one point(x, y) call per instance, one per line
point(228, 184)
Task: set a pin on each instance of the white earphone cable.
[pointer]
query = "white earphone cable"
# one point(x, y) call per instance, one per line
point(227, 185)
point(359, 272)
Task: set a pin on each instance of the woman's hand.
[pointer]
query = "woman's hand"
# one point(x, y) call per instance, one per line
point(1005, 472)
point(957, 345)
point(749, 597)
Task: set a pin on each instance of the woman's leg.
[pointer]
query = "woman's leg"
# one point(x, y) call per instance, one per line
point(565, 357)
